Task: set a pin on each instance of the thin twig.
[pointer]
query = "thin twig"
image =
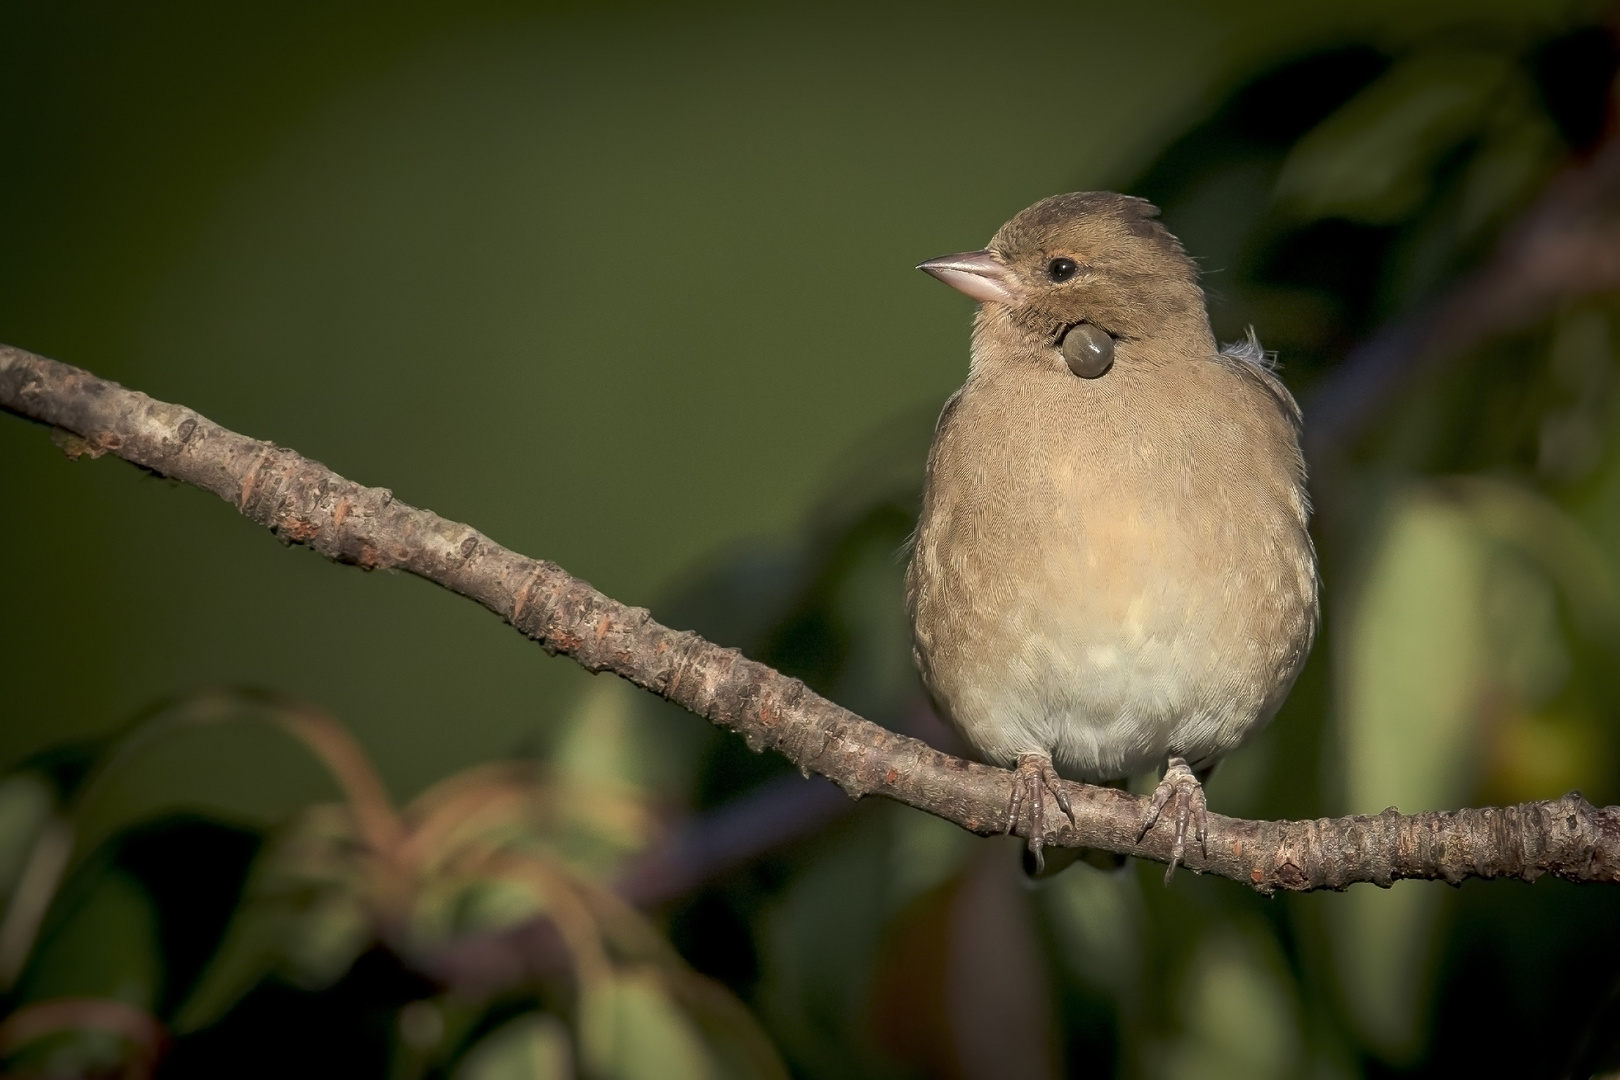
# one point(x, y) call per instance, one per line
point(303, 502)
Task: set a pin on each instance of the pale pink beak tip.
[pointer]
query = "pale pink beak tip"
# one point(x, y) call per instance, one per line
point(979, 274)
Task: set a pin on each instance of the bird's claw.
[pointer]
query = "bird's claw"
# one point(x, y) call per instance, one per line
point(1033, 777)
point(1179, 784)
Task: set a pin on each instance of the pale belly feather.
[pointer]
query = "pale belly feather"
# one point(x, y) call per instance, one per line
point(1109, 686)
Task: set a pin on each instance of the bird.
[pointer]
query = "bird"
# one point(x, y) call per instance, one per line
point(1112, 570)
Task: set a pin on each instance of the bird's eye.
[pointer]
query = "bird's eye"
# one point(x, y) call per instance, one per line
point(1061, 269)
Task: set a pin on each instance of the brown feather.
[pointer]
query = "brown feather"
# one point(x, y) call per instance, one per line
point(1115, 570)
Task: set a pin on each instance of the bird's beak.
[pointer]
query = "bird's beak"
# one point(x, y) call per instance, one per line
point(979, 274)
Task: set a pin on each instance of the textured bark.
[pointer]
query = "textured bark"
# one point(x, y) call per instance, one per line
point(303, 502)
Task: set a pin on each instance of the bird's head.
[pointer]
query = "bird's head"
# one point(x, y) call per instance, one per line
point(1075, 276)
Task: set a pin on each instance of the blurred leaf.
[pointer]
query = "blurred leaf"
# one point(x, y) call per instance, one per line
point(250, 951)
point(447, 909)
point(653, 1039)
point(1372, 160)
point(1240, 1014)
point(101, 942)
point(1532, 755)
point(924, 853)
point(878, 677)
point(1097, 917)
point(1387, 944)
point(1413, 657)
point(81, 1037)
point(1556, 543)
point(820, 937)
point(302, 915)
point(26, 801)
point(1413, 664)
point(1576, 434)
point(598, 739)
point(740, 1048)
point(592, 823)
point(57, 845)
point(39, 874)
point(535, 1046)
point(320, 734)
point(1544, 741)
point(962, 988)
point(475, 855)
point(1524, 632)
point(604, 763)
point(494, 805)
point(311, 881)
point(998, 989)
point(321, 944)
point(1517, 152)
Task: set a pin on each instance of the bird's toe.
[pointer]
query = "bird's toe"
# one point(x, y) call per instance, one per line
point(1181, 791)
point(1033, 778)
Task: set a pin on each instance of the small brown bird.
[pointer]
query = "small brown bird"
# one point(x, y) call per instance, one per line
point(1112, 570)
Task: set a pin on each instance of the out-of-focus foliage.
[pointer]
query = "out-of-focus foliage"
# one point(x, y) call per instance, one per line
point(490, 887)
point(1470, 537)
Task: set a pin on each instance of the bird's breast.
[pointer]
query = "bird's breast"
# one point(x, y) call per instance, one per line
point(1112, 579)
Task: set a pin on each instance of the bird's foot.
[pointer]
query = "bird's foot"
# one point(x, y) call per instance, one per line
point(1181, 786)
point(1032, 779)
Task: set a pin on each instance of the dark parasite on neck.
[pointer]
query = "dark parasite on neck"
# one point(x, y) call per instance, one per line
point(1088, 350)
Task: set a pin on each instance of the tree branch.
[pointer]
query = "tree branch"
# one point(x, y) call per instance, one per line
point(303, 502)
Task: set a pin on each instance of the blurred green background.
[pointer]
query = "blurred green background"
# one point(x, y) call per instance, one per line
point(630, 287)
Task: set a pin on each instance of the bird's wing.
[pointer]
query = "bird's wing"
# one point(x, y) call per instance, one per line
point(1249, 360)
